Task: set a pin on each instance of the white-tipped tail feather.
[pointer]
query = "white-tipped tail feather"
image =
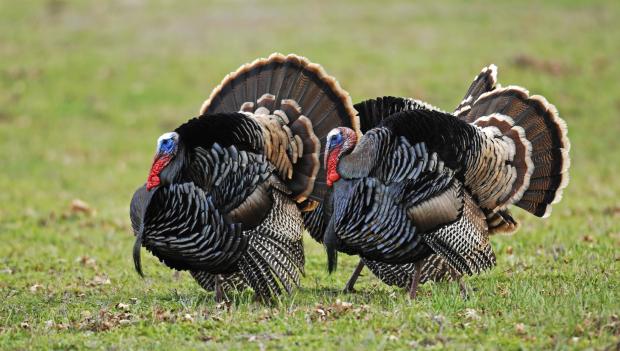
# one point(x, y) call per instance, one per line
point(540, 142)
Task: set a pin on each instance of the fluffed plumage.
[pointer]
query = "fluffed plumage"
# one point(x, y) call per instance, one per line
point(424, 183)
point(224, 194)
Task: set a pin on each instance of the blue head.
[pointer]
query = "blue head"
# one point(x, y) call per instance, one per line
point(340, 141)
point(167, 143)
point(167, 147)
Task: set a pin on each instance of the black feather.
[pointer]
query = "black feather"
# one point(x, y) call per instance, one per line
point(331, 246)
point(136, 254)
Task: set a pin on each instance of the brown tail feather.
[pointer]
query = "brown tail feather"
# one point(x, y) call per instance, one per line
point(299, 88)
point(546, 133)
point(484, 82)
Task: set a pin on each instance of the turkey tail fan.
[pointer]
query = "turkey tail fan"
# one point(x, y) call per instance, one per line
point(542, 145)
point(484, 82)
point(312, 103)
point(373, 111)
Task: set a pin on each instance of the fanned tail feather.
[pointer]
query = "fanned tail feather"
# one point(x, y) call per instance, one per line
point(484, 82)
point(543, 162)
point(312, 103)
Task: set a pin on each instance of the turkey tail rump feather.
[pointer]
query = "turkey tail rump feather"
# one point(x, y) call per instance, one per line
point(298, 104)
point(541, 145)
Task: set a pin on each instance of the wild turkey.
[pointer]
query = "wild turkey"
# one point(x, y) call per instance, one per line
point(224, 195)
point(425, 182)
point(371, 113)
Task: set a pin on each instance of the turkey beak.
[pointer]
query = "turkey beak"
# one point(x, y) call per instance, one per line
point(331, 242)
point(137, 260)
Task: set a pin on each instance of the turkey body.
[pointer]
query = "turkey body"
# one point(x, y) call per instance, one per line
point(423, 189)
point(398, 209)
point(225, 193)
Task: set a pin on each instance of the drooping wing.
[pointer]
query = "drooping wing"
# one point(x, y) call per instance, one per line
point(465, 244)
point(274, 259)
point(435, 268)
point(236, 180)
point(230, 282)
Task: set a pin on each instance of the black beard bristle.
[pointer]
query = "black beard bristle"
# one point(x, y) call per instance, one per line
point(136, 254)
point(332, 259)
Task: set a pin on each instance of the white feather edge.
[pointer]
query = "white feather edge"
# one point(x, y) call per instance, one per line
point(342, 94)
point(564, 140)
point(468, 100)
point(565, 150)
point(426, 105)
point(528, 155)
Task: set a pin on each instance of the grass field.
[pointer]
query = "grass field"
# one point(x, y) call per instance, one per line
point(87, 87)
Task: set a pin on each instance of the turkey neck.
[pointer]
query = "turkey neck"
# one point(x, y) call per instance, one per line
point(173, 172)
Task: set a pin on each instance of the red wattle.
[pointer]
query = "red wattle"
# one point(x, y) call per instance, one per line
point(332, 178)
point(332, 167)
point(158, 165)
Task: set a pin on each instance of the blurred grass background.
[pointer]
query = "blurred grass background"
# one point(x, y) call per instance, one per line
point(87, 87)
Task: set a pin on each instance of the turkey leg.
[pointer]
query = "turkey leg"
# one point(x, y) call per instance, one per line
point(413, 289)
point(219, 292)
point(459, 279)
point(356, 273)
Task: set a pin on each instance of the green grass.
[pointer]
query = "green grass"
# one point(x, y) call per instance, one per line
point(87, 87)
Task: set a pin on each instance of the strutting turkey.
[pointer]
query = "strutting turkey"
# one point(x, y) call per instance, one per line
point(224, 196)
point(419, 194)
